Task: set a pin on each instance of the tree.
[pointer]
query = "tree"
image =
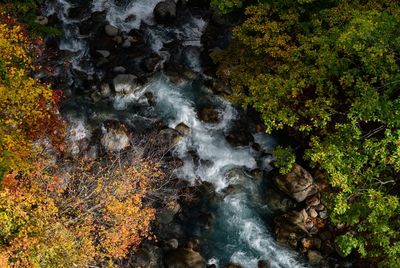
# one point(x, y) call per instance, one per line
point(28, 108)
point(328, 72)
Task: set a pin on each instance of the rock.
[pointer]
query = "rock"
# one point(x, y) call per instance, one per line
point(298, 183)
point(208, 114)
point(313, 201)
point(169, 137)
point(314, 257)
point(104, 53)
point(290, 228)
point(150, 64)
point(184, 258)
point(307, 243)
point(167, 214)
point(148, 256)
point(125, 83)
point(150, 98)
point(232, 265)
point(119, 69)
point(42, 20)
point(325, 235)
point(193, 244)
point(111, 30)
point(262, 264)
point(183, 129)
point(312, 213)
point(165, 12)
point(278, 202)
point(115, 140)
point(126, 44)
point(172, 243)
point(105, 90)
point(323, 214)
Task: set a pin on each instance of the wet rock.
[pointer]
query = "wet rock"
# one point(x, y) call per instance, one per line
point(193, 244)
point(314, 257)
point(126, 44)
point(119, 69)
point(262, 264)
point(125, 83)
point(290, 228)
point(150, 64)
point(232, 265)
point(150, 98)
point(115, 139)
point(111, 30)
point(169, 137)
point(312, 213)
point(208, 114)
point(172, 243)
point(323, 214)
point(42, 20)
point(182, 258)
point(167, 214)
point(239, 137)
point(165, 12)
point(298, 183)
point(183, 129)
point(148, 256)
point(313, 201)
point(105, 90)
point(104, 53)
point(278, 202)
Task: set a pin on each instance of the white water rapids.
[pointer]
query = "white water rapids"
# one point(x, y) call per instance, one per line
point(239, 234)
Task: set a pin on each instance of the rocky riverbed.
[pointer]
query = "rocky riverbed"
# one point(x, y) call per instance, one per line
point(142, 68)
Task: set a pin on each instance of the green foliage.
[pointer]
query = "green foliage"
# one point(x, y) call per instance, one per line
point(226, 6)
point(330, 73)
point(285, 159)
point(26, 11)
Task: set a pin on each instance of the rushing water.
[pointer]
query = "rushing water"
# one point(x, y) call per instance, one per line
point(241, 231)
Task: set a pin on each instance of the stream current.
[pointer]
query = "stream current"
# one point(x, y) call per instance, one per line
point(241, 231)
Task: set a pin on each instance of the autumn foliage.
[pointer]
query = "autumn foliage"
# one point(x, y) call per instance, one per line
point(59, 214)
point(28, 108)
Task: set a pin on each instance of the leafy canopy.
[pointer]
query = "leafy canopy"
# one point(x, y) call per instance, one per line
point(329, 72)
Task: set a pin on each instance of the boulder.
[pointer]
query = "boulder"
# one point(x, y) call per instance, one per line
point(167, 214)
point(172, 244)
point(103, 53)
point(150, 64)
point(298, 183)
point(278, 202)
point(111, 30)
point(148, 256)
point(262, 264)
point(169, 137)
point(165, 12)
point(290, 228)
point(184, 258)
point(183, 129)
point(208, 114)
point(314, 257)
point(115, 139)
point(125, 83)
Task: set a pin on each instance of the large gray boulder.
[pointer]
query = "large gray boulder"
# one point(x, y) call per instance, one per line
point(298, 183)
point(165, 12)
point(184, 258)
point(125, 83)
